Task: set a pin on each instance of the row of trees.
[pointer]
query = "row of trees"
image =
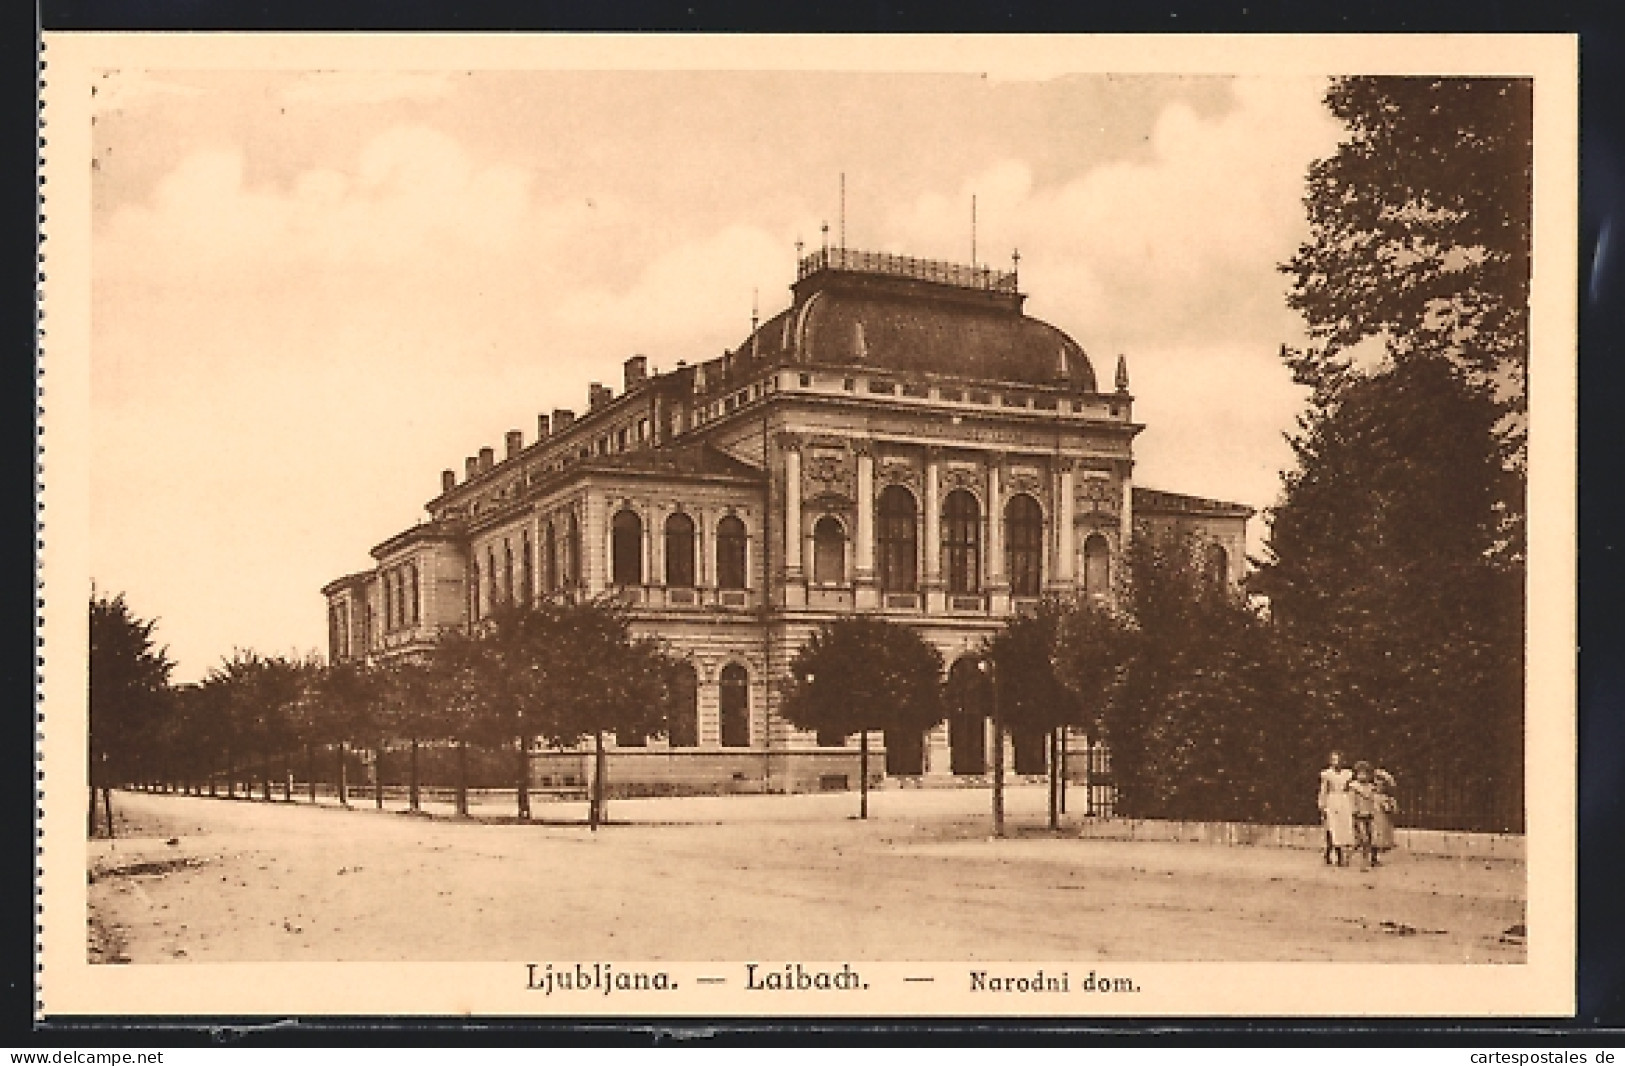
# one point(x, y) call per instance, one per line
point(561, 674)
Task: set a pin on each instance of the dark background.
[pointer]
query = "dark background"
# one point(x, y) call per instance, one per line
point(1601, 1016)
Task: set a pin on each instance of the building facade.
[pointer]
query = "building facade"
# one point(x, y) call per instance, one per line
point(902, 439)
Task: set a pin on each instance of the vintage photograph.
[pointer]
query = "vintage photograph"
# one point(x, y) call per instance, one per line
point(672, 525)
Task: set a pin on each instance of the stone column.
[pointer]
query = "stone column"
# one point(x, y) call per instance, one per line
point(792, 511)
point(933, 532)
point(998, 586)
point(865, 546)
point(1125, 532)
point(1066, 568)
point(648, 550)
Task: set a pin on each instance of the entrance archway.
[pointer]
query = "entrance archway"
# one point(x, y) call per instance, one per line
point(905, 752)
point(735, 707)
point(967, 718)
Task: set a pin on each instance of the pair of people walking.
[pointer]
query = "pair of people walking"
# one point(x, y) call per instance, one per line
point(1357, 811)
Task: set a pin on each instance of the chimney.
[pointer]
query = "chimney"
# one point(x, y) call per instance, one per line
point(562, 417)
point(487, 457)
point(598, 395)
point(515, 442)
point(448, 480)
point(543, 427)
point(471, 468)
point(635, 371)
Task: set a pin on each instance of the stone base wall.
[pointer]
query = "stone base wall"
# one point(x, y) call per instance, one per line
point(1419, 841)
point(635, 772)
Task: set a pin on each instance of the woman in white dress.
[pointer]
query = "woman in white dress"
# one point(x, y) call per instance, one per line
point(1336, 809)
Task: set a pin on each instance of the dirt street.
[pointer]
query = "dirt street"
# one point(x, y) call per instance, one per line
point(194, 879)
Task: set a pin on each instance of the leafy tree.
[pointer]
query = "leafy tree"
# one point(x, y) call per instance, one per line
point(456, 668)
point(1395, 559)
point(1420, 232)
point(859, 674)
point(565, 672)
point(349, 697)
point(1032, 697)
point(129, 697)
point(409, 712)
point(1192, 691)
point(1386, 564)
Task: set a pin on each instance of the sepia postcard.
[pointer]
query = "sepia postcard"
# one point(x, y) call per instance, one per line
point(710, 526)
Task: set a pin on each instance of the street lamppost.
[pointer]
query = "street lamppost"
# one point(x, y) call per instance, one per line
point(987, 666)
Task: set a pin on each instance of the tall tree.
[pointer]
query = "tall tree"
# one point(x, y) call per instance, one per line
point(1386, 563)
point(1395, 558)
point(859, 674)
point(1420, 233)
point(129, 694)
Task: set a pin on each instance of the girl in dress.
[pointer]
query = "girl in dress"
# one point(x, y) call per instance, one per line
point(1382, 820)
point(1362, 793)
point(1336, 813)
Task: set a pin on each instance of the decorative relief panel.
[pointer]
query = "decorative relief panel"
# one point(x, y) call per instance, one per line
point(1099, 495)
point(828, 477)
point(1025, 479)
point(899, 472)
point(969, 478)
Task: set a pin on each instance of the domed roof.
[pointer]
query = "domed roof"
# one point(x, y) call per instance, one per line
point(918, 316)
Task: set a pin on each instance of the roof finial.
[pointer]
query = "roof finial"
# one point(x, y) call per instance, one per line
point(825, 228)
point(798, 249)
point(753, 308)
point(1015, 265)
point(1122, 373)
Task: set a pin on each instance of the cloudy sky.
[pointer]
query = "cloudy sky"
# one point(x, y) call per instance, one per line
point(313, 291)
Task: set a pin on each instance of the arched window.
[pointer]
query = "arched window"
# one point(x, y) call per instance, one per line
point(474, 589)
point(962, 542)
point(507, 571)
point(735, 706)
point(683, 708)
point(527, 573)
point(626, 535)
point(572, 550)
point(413, 596)
point(1216, 565)
point(897, 542)
point(829, 552)
point(389, 600)
point(493, 591)
point(1024, 544)
point(730, 553)
point(1097, 566)
point(550, 559)
point(679, 550)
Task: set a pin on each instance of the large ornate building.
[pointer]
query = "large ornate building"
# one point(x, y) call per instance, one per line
point(902, 439)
